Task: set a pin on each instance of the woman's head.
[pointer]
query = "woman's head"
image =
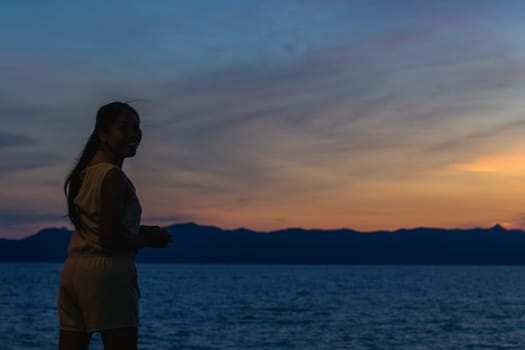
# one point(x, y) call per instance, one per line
point(117, 134)
point(117, 130)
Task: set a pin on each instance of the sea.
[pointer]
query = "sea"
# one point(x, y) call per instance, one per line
point(270, 307)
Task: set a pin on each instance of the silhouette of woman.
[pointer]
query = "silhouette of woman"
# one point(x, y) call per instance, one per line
point(98, 286)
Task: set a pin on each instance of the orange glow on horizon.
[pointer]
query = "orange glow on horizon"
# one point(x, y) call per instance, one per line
point(512, 226)
point(512, 163)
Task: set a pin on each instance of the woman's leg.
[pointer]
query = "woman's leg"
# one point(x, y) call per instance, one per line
point(70, 340)
point(120, 339)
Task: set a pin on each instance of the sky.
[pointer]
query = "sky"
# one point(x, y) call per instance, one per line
point(371, 115)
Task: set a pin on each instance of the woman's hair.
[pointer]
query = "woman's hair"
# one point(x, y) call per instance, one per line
point(106, 116)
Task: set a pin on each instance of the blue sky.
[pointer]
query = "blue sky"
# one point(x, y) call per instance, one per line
point(361, 114)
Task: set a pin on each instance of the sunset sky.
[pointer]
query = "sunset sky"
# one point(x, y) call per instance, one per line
point(272, 114)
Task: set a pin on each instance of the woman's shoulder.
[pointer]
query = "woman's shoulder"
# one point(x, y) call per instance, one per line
point(99, 170)
point(94, 177)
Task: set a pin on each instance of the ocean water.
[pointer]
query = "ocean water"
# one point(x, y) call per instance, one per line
point(271, 307)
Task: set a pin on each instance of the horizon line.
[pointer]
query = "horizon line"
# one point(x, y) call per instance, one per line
point(495, 226)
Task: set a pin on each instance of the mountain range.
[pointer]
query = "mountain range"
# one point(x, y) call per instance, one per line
point(194, 243)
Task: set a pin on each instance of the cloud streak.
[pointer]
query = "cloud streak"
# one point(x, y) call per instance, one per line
point(15, 140)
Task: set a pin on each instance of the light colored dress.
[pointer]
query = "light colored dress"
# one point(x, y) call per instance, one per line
point(98, 287)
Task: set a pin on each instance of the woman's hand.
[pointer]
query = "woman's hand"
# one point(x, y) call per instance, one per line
point(154, 237)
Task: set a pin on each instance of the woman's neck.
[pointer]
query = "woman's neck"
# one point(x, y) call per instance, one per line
point(104, 157)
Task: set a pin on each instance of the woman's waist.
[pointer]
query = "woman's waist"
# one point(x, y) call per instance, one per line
point(85, 244)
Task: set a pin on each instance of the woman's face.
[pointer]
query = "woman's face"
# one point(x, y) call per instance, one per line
point(123, 137)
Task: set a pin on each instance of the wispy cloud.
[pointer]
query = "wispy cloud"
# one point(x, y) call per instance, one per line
point(9, 217)
point(15, 140)
point(23, 160)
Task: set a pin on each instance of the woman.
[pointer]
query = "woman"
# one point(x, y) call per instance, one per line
point(98, 286)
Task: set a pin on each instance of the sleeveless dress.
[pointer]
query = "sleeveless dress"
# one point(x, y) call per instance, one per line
point(98, 287)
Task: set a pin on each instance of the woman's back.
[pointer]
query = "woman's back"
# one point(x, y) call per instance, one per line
point(86, 241)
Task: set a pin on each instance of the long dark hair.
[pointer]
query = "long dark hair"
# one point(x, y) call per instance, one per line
point(106, 116)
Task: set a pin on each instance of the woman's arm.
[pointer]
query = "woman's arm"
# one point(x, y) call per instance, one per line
point(154, 236)
point(112, 234)
point(112, 197)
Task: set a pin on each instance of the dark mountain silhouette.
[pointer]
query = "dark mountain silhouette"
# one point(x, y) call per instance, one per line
point(207, 244)
point(47, 245)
